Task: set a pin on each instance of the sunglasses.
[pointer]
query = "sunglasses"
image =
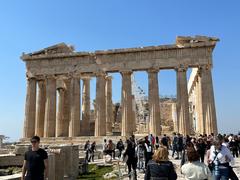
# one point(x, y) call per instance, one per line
point(33, 142)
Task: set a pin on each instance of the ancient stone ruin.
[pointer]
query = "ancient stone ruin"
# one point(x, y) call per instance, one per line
point(53, 107)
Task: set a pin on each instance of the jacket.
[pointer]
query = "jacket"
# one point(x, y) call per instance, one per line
point(160, 171)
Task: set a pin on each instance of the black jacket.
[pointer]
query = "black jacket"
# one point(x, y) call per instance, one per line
point(160, 171)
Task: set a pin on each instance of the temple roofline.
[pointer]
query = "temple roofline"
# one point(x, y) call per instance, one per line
point(62, 50)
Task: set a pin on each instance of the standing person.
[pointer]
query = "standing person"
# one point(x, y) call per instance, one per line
point(113, 150)
point(195, 169)
point(110, 148)
point(105, 144)
point(148, 151)
point(220, 157)
point(87, 150)
point(179, 145)
point(151, 139)
point(92, 151)
point(140, 155)
point(164, 141)
point(35, 162)
point(160, 167)
point(201, 148)
point(233, 145)
point(157, 142)
point(131, 158)
point(174, 144)
point(120, 147)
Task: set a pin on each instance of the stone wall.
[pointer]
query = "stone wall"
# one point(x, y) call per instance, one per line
point(11, 160)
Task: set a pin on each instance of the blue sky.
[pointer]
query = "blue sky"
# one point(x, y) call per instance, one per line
point(27, 26)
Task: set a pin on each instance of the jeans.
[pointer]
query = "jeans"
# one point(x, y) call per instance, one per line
point(223, 173)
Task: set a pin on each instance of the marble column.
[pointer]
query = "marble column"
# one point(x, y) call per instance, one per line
point(154, 104)
point(182, 102)
point(100, 121)
point(50, 108)
point(30, 109)
point(67, 107)
point(109, 109)
point(208, 102)
point(126, 103)
point(60, 120)
point(40, 112)
point(85, 128)
point(74, 126)
point(201, 121)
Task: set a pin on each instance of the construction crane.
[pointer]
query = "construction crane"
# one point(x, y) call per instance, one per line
point(140, 101)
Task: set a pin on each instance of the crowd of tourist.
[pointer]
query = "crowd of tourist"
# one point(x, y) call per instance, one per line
point(202, 157)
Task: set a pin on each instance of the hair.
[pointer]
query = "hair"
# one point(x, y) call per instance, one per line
point(217, 143)
point(192, 155)
point(36, 138)
point(161, 154)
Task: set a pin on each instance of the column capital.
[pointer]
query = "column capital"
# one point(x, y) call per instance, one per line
point(40, 77)
point(100, 73)
point(126, 72)
point(109, 77)
point(153, 70)
point(31, 78)
point(205, 67)
point(181, 68)
point(51, 76)
point(86, 78)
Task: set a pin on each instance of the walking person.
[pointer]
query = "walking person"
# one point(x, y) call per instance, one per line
point(131, 159)
point(201, 149)
point(194, 169)
point(35, 162)
point(160, 167)
point(92, 150)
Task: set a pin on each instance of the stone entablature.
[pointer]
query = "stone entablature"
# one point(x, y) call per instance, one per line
point(190, 54)
point(58, 70)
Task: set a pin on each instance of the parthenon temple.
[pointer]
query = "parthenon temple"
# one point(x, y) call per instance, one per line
point(57, 106)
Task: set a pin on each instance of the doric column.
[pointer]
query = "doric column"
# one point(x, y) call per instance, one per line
point(109, 109)
point(126, 103)
point(100, 120)
point(182, 102)
point(208, 102)
point(74, 126)
point(60, 113)
point(154, 104)
point(85, 128)
point(40, 113)
point(30, 109)
point(67, 106)
point(200, 120)
point(50, 109)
